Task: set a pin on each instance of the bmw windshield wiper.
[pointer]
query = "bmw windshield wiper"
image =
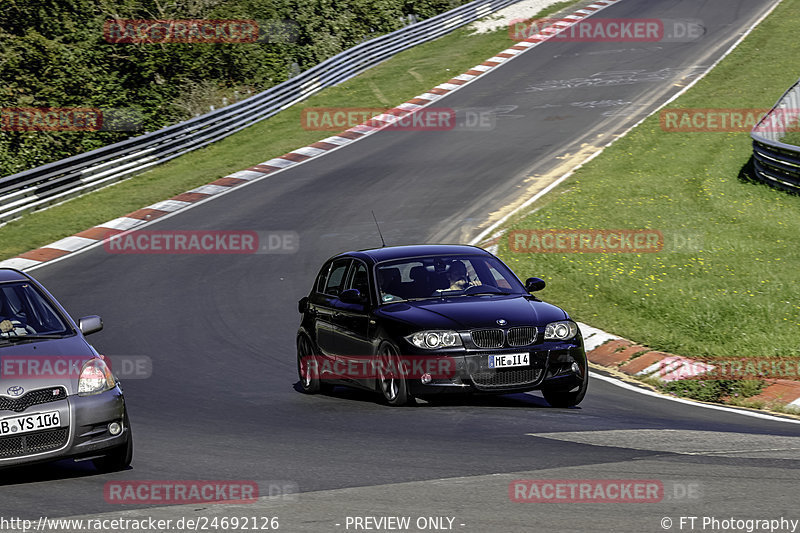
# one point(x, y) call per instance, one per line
point(487, 292)
point(483, 292)
point(473, 290)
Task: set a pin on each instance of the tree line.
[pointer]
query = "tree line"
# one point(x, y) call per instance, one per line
point(75, 56)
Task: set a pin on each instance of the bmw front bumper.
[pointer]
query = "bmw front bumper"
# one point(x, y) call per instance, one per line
point(551, 365)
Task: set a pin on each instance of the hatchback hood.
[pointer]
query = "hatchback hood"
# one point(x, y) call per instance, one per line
point(45, 363)
point(471, 312)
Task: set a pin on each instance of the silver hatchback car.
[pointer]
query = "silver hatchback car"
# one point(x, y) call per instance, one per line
point(58, 396)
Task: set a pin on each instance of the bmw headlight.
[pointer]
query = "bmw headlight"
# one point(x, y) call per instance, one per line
point(560, 331)
point(432, 339)
point(95, 378)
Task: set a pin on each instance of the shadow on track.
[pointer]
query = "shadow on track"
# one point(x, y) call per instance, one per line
point(514, 401)
point(57, 470)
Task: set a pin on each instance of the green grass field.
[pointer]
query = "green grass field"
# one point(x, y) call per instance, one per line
point(397, 80)
point(735, 293)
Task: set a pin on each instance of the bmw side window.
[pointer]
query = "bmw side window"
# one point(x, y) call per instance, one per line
point(359, 279)
point(493, 276)
point(319, 285)
point(499, 280)
point(336, 277)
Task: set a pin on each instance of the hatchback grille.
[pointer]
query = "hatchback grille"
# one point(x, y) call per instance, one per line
point(32, 443)
point(521, 336)
point(488, 338)
point(34, 397)
point(506, 378)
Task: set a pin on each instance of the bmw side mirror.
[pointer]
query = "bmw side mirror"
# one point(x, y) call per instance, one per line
point(352, 296)
point(90, 324)
point(302, 305)
point(534, 284)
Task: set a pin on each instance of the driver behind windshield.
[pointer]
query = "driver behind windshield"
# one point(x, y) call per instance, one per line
point(457, 276)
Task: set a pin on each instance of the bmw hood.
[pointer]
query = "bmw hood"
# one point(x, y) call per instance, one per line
point(46, 363)
point(470, 312)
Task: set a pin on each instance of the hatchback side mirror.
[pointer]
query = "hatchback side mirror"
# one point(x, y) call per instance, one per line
point(352, 296)
point(90, 324)
point(534, 284)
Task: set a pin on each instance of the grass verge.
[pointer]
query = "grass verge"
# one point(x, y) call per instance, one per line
point(397, 80)
point(733, 292)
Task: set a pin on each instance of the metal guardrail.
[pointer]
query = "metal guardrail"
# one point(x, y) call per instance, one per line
point(55, 182)
point(775, 162)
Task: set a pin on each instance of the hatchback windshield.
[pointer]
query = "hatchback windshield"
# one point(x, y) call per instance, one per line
point(24, 311)
point(447, 275)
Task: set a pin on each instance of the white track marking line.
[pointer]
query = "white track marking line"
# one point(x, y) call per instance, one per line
point(647, 392)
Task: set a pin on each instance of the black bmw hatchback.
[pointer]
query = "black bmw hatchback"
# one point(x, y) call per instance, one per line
point(421, 321)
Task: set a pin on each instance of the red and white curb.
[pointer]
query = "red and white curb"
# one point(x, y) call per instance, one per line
point(92, 236)
point(624, 356)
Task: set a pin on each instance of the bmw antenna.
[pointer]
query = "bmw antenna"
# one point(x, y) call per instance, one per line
point(383, 243)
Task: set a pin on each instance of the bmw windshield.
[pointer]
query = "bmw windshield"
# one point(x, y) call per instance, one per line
point(26, 313)
point(444, 276)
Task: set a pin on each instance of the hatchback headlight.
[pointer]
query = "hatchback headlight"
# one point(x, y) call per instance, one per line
point(432, 339)
point(95, 378)
point(560, 331)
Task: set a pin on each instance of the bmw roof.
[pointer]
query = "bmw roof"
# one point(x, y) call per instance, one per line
point(10, 274)
point(390, 253)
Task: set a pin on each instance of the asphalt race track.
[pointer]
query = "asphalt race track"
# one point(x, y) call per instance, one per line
point(222, 402)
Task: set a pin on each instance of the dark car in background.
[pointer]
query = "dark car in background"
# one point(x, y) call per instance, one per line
point(58, 396)
point(427, 320)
